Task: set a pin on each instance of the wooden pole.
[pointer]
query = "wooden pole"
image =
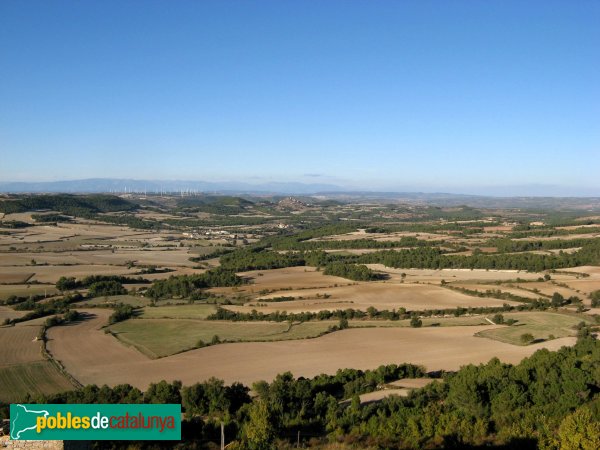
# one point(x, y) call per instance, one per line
point(222, 436)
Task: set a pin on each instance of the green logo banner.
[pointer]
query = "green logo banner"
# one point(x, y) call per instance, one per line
point(95, 422)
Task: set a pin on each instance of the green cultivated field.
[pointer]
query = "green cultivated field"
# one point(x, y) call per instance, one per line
point(540, 324)
point(34, 378)
point(427, 322)
point(163, 337)
point(24, 290)
point(115, 299)
point(178, 312)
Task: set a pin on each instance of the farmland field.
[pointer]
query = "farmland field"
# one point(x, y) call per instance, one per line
point(273, 261)
point(9, 313)
point(92, 356)
point(540, 325)
point(163, 337)
point(18, 344)
point(25, 290)
point(363, 295)
point(23, 368)
point(197, 311)
point(33, 378)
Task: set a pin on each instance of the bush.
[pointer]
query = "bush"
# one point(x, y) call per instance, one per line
point(105, 288)
point(415, 322)
point(122, 312)
point(527, 338)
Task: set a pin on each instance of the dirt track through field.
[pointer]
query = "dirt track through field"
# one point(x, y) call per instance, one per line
point(94, 357)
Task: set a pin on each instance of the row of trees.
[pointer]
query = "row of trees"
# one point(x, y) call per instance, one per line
point(371, 313)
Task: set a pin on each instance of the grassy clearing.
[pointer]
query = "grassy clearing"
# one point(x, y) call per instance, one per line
point(34, 378)
point(163, 337)
point(115, 299)
point(24, 290)
point(427, 322)
point(541, 325)
point(198, 311)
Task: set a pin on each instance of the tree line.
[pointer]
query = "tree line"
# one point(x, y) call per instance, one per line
point(370, 313)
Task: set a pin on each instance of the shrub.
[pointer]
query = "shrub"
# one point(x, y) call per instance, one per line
point(415, 322)
point(527, 338)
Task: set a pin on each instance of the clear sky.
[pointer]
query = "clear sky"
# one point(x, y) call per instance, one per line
point(458, 96)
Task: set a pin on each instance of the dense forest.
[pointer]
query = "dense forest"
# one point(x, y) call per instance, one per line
point(186, 286)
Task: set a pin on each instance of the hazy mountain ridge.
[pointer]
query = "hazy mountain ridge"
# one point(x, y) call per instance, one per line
point(322, 191)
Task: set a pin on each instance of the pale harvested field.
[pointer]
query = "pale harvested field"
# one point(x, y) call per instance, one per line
point(495, 287)
point(22, 217)
point(14, 278)
point(290, 277)
point(547, 288)
point(413, 383)
point(94, 357)
point(565, 237)
point(586, 286)
point(501, 228)
point(574, 227)
point(377, 396)
point(402, 389)
point(384, 237)
point(153, 256)
point(379, 295)
point(18, 344)
point(9, 313)
point(475, 275)
point(593, 271)
point(24, 258)
point(355, 251)
point(51, 274)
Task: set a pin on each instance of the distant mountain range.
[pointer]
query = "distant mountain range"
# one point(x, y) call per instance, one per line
point(541, 196)
point(125, 185)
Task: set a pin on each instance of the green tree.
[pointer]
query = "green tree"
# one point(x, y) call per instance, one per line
point(258, 430)
point(527, 338)
point(415, 322)
point(579, 431)
point(163, 392)
point(498, 319)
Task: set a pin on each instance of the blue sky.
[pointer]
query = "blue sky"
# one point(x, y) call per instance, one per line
point(460, 96)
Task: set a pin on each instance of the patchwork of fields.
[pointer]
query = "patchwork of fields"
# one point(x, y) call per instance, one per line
point(262, 266)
